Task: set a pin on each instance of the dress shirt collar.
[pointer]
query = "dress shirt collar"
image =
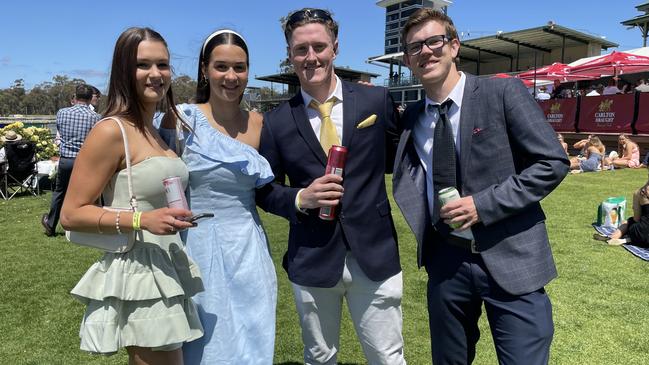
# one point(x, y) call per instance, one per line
point(338, 93)
point(456, 94)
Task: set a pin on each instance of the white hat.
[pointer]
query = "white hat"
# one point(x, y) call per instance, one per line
point(11, 136)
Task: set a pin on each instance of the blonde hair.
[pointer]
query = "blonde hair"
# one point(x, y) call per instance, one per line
point(597, 143)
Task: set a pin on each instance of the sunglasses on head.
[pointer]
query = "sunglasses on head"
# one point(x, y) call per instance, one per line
point(308, 14)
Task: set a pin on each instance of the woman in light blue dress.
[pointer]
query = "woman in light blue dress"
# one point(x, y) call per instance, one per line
point(237, 308)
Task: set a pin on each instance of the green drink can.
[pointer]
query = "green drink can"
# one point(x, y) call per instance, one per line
point(448, 195)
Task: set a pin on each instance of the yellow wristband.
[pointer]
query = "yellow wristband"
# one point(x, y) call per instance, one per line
point(136, 221)
point(298, 203)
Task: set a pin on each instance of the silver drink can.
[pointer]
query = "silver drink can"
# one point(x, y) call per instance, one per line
point(175, 193)
point(448, 195)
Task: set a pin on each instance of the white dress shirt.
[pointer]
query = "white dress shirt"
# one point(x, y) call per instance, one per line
point(424, 129)
point(316, 122)
point(336, 112)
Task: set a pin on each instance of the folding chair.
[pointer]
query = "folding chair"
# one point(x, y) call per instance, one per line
point(3, 179)
point(21, 174)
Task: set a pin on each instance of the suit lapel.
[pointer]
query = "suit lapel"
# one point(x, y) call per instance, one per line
point(470, 111)
point(301, 120)
point(349, 114)
point(409, 180)
point(409, 119)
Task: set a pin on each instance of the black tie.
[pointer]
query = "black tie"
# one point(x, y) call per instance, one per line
point(445, 169)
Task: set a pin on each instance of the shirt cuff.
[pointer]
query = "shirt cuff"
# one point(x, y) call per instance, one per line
point(297, 202)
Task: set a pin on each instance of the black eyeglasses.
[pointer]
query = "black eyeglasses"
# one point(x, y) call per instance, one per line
point(308, 14)
point(433, 43)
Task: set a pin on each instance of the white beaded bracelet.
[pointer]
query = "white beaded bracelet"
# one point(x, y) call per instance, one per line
point(117, 223)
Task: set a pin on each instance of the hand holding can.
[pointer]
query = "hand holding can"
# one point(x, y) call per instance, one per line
point(335, 165)
point(448, 195)
point(175, 194)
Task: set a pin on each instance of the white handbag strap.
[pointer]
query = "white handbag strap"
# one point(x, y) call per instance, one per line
point(132, 200)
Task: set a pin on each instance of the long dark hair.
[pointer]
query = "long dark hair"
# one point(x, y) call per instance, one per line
point(123, 100)
point(224, 37)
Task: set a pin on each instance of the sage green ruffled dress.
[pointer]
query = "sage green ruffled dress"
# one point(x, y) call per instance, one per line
point(141, 297)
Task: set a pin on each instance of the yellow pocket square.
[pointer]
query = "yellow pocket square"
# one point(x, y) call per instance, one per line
point(369, 121)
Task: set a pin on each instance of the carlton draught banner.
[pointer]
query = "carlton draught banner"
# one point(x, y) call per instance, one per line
point(560, 113)
point(642, 124)
point(606, 114)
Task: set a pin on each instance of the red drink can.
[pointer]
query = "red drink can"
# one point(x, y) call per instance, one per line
point(335, 165)
point(175, 193)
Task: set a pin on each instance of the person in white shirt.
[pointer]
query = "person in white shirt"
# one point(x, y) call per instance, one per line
point(612, 88)
point(642, 87)
point(542, 94)
point(596, 90)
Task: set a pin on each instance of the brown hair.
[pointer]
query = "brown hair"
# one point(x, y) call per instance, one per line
point(424, 15)
point(328, 21)
point(227, 37)
point(123, 100)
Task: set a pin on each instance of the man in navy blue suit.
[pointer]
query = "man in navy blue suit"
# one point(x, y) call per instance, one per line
point(354, 256)
point(489, 139)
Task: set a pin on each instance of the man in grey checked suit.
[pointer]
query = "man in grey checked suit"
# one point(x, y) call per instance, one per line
point(507, 160)
point(73, 124)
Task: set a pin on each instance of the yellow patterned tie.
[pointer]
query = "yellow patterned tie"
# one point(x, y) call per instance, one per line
point(328, 134)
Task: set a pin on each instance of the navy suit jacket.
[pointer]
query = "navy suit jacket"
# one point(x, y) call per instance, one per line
point(317, 248)
point(510, 159)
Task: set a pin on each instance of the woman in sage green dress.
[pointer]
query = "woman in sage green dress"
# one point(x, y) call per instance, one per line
point(139, 300)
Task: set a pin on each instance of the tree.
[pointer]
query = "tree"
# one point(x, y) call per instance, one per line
point(184, 89)
point(37, 101)
point(285, 66)
point(44, 98)
point(62, 91)
point(11, 99)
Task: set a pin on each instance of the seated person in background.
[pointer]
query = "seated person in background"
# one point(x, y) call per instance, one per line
point(595, 150)
point(627, 88)
point(557, 90)
point(567, 93)
point(581, 145)
point(612, 88)
point(596, 90)
point(563, 143)
point(543, 94)
point(8, 137)
point(636, 228)
point(642, 87)
point(629, 151)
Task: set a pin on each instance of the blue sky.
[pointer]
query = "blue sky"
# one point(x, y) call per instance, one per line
point(40, 39)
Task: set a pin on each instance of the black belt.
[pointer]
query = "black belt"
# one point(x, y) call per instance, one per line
point(461, 243)
point(444, 235)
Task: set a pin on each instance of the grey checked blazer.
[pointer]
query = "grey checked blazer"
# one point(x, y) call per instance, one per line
point(510, 159)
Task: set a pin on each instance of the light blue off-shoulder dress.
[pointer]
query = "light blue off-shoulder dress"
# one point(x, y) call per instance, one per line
point(237, 308)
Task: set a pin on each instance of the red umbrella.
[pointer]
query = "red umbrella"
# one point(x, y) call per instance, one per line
point(615, 63)
point(506, 76)
point(555, 71)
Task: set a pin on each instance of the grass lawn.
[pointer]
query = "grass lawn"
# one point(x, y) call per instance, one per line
point(600, 299)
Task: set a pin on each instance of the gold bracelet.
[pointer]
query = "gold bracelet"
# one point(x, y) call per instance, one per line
point(99, 221)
